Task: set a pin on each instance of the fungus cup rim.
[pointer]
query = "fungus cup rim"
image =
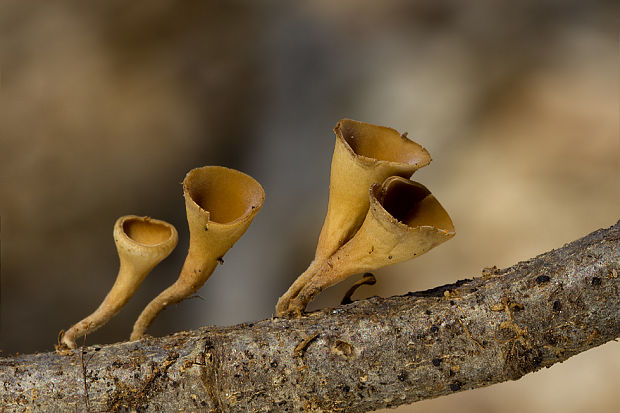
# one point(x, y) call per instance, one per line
point(423, 160)
point(377, 191)
point(122, 230)
point(252, 206)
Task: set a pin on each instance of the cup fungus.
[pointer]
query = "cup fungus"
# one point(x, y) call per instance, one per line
point(364, 155)
point(404, 220)
point(142, 243)
point(220, 204)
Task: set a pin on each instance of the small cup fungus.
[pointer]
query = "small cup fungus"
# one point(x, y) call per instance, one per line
point(220, 204)
point(404, 220)
point(142, 243)
point(364, 155)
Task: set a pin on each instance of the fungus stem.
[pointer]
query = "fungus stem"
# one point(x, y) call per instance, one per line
point(284, 302)
point(171, 295)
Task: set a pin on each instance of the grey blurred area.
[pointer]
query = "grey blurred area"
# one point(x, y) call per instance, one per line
point(104, 106)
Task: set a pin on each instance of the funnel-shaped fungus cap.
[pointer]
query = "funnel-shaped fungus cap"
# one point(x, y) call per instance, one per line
point(364, 155)
point(220, 204)
point(142, 243)
point(405, 216)
point(404, 221)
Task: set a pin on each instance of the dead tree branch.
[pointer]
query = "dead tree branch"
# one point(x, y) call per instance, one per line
point(359, 357)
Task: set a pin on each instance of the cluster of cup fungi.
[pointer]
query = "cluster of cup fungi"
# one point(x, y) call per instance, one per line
point(376, 216)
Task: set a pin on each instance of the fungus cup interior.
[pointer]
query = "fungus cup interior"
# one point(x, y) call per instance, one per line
point(146, 231)
point(227, 195)
point(380, 142)
point(412, 204)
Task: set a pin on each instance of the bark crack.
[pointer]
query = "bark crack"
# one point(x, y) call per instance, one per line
point(210, 373)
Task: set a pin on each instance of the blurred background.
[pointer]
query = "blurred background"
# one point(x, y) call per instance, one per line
point(104, 106)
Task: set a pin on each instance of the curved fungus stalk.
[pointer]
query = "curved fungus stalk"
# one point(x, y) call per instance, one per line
point(220, 204)
point(142, 243)
point(404, 221)
point(364, 155)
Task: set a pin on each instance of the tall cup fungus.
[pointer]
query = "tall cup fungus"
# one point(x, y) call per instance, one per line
point(404, 220)
point(142, 243)
point(220, 204)
point(364, 155)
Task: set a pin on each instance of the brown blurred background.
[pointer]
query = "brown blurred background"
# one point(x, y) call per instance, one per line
point(104, 106)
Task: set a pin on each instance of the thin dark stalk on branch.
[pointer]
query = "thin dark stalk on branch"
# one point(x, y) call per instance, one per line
point(359, 357)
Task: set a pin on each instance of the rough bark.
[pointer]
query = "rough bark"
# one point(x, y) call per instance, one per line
point(359, 357)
